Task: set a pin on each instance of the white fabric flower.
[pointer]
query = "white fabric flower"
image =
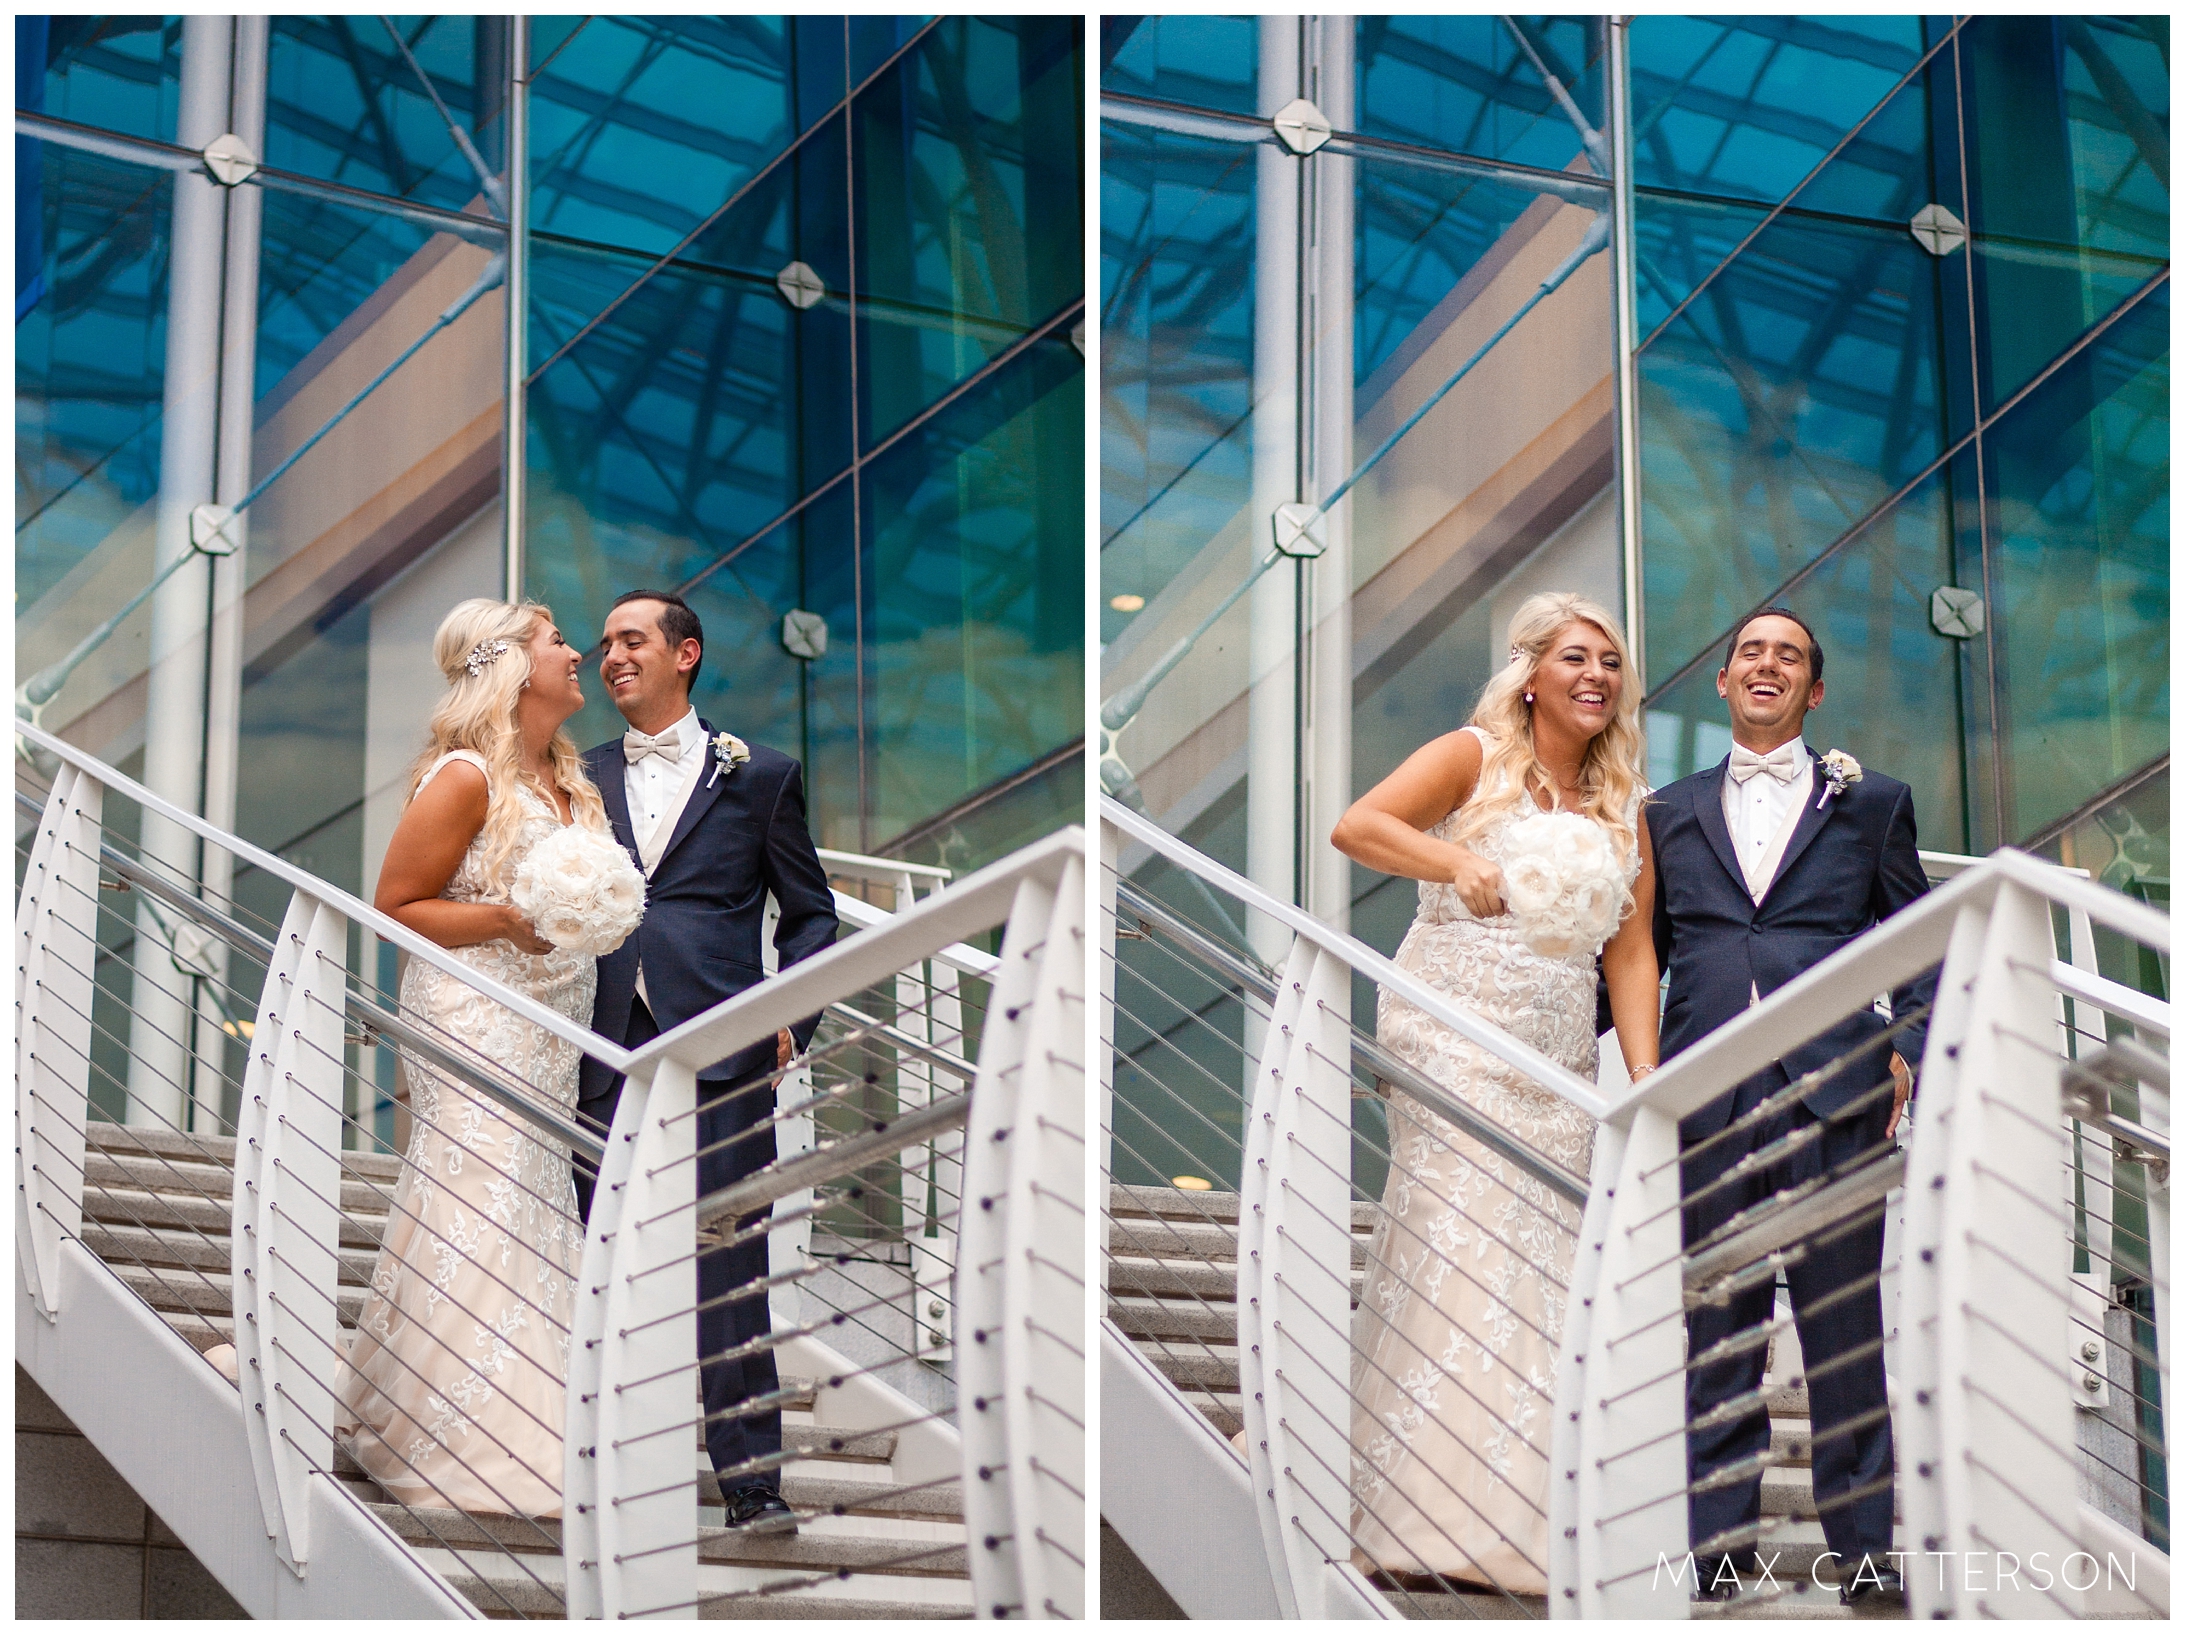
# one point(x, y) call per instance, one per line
point(580, 890)
point(1563, 882)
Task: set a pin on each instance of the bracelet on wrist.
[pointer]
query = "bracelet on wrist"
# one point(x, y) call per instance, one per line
point(1643, 1069)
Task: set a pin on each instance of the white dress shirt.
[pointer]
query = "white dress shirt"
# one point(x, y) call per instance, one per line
point(653, 783)
point(1758, 808)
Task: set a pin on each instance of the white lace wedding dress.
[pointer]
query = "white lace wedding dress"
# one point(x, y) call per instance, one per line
point(1462, 1312)
point(451, 1396)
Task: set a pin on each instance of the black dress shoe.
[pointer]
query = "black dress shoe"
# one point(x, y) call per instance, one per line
point(761, 1511)
point(1872, 1586)
point(1721, 1578)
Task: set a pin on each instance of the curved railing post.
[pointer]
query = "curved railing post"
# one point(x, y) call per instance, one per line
point(1293, 1281)
point(1571, 1377)
point(2005, 1445)
point(1630, 1504)
point(629, 1526)
point(286, 1221)
point(1020, 1273)
point(56, 945)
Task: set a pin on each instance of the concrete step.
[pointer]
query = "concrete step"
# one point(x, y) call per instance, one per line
point(1135, 1203)
point(198, 1214)
point(1196, 1365)
point(1788, 1491)
point(915, 1549)
point(136, 1246)
point(120, 1171)
point(1425, 1604)
point(204, 1294)
point(104, 1136)
point(1147, 1318)
point(531, 1586)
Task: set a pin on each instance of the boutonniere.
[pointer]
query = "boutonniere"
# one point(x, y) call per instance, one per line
point(729, 752)
point(1839, 771)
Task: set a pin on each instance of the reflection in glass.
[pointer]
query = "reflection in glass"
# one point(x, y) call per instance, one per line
point(1205, 62)
point(1466, 85)
point(90, 365)
point(2080, 474)
point(116, 73)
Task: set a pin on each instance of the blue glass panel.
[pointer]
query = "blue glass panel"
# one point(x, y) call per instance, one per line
point(873, 40)
point(1465, 84)
point(1746, 106)
point(1176, 274)
point(1778, 410)
point(629, 145)
point(974, 530)
point(704, 405)
point(2080, 516)
point(344, 104)
point(118, 73)
point(2067, 133)
point(90, 362)
point(1421, 231)
point(1207, 62)
point(300, 785)
point(969, 228)
point(318, 264)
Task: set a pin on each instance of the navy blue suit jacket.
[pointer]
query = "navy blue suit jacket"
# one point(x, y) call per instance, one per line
point(741, 836)
point(1851, 862)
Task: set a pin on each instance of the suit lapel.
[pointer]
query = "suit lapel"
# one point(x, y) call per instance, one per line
point(1707, 807)
point(1815, 812)
point(614, 794)
point(701, 799)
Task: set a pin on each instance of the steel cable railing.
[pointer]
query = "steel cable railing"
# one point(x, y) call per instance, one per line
point(1982, 1261)
point(1352, 1214)
point(268, 1213)
point(1666, 1319)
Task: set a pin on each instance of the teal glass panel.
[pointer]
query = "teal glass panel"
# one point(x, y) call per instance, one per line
point(1778, 411)
point(2067, 135)
point(1205, 62)
point(319, 265)
point(1465, 84)
point(969, 227)
point(345, 105)
point(1428, 240)
point(1176, 271)
point(117, 73)
point(300, 783)
point(1021, 811)
point(974, 580)
point(90, 367)
point(1745, 107)
point(703, 405)
point(629, 139)
point(873, 40)
point(1883, 176)
point(2080, 518)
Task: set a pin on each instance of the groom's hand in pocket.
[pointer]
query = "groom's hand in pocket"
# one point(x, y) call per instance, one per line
point(784, 1048)
point(1902, 1074)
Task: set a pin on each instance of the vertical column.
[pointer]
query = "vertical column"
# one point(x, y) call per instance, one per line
point(174, 721)
point(1624, 301)
point(230, 574)
point(1270, 764)
point(1331, 188)
point(517, 307)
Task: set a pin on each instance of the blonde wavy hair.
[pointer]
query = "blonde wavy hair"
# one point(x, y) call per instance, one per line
point(1613, 771)
point(479, 714)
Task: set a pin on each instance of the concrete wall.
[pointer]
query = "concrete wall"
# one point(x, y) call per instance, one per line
point(85, 1545)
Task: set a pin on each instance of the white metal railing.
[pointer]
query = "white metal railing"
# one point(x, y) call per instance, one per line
point(263, 1230)
point(1229, 1340)
point(1991, 1359)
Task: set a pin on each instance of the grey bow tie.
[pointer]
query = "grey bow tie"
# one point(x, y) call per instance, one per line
point(637, 745)
point(1780, 763)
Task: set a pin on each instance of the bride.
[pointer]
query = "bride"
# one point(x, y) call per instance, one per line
point(1462, 1311)
point(451, 1395)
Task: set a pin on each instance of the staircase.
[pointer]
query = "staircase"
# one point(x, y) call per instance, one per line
point(1172, 1290)
point(156, 1211)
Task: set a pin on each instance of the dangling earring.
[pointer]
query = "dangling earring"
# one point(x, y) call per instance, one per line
point(1528, 696)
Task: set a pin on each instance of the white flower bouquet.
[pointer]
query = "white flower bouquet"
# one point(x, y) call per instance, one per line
point(581, 891)
point(1563, 882)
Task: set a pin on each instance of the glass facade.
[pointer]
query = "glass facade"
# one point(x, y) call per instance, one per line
point(799, 337)
point(1900, 294)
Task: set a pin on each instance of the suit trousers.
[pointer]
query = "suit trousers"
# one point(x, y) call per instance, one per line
point(1836, 1301)
point(725, 1383)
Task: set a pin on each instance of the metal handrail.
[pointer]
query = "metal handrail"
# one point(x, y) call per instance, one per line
point(354, 909)
point(1541, 1070)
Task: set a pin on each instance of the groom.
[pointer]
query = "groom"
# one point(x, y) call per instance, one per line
point(1766, 866)
point(714, 840)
